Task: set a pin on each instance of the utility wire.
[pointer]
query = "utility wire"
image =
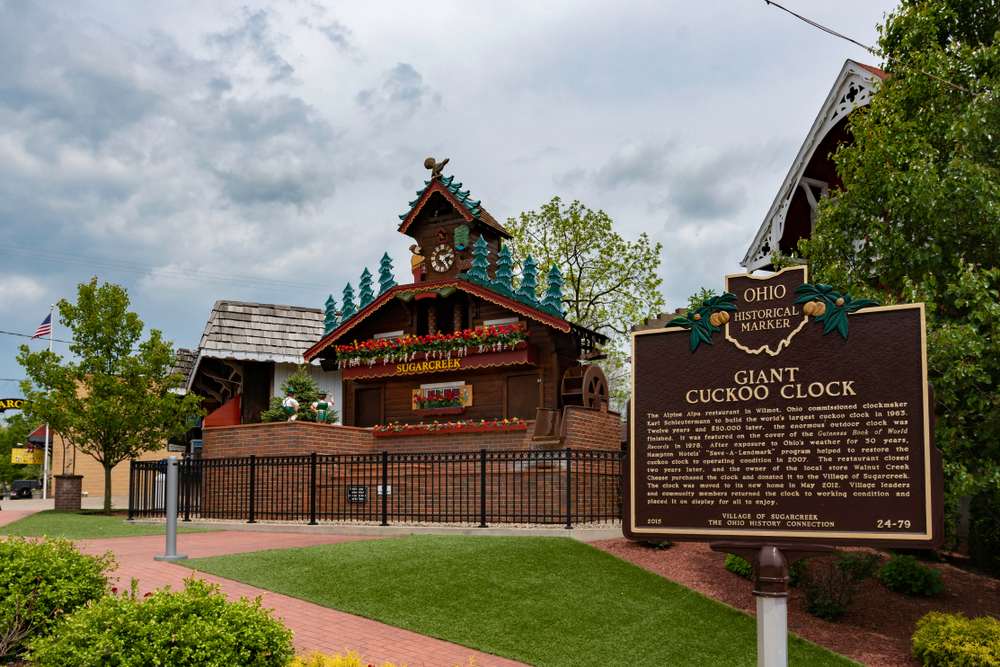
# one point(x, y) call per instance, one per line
point(10, 333)
point(872, 50)
point(211, 277)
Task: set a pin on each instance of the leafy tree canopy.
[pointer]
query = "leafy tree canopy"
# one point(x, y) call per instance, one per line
point(610, 283)
point(115, 400)
point(919, 215)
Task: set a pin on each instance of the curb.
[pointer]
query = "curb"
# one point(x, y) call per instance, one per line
point(581, 534)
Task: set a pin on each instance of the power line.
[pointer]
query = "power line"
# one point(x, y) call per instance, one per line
point(872, 50)
point(11, 333)
point(200, 276)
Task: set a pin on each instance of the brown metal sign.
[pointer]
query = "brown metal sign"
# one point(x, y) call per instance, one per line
point(784, 412)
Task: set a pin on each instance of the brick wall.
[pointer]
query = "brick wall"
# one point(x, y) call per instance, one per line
point(585, 429)
point(68, 496)
point(93, 472)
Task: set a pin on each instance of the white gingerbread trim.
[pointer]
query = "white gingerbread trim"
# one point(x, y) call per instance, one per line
point(852, 88)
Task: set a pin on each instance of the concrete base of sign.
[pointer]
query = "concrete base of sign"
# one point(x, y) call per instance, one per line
point(772, 632)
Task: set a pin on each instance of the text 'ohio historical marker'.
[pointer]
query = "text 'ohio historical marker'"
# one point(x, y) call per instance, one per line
point(784, 412)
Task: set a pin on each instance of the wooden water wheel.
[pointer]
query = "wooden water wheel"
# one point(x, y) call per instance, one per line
point(586, 386)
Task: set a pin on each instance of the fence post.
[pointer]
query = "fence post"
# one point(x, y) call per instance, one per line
point(131, 487)
point(312, 489)
point(253, 489)
point(385, 488)
point(482, 489)
point(569, 488)
point(185, 482)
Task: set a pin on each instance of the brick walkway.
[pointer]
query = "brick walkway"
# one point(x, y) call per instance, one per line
point(315, 627)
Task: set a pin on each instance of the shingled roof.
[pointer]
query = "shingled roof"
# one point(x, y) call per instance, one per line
point(260, 331)
point(185, 364)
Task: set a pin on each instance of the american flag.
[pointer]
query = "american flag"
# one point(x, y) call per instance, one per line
point(45, 328)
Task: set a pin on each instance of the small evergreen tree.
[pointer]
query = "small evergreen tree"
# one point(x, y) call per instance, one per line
point(553, 294)
point(330, 318)
point(480, 262)
point(349, 309)
point(366, 295)
point(526, 291)
point(503, 279)
point(306, 393)
point(385, 277)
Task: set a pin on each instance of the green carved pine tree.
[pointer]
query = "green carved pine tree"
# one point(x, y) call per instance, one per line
point(502, 281)
point(349, 309)
point(527, 290)
point(480, 262)
point(385, 277)
point(330, 318)
point(366, 295)
point(553, 293)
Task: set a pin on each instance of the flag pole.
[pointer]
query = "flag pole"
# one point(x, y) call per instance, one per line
point(45, 465)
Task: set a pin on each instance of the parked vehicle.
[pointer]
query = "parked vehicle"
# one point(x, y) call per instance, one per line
point(22, 488)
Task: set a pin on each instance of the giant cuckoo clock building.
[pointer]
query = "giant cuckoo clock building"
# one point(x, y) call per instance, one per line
point(458, 344)
point(460, 327)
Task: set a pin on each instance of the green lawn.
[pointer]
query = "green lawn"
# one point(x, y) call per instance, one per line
point(80, 526)
point(543, 601)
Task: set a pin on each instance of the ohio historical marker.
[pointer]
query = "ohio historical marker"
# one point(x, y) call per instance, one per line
point(784, 411)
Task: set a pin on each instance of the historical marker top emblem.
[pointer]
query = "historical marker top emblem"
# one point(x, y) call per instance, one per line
point(767, 315)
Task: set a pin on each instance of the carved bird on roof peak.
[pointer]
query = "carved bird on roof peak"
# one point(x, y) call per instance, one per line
point(435, 167)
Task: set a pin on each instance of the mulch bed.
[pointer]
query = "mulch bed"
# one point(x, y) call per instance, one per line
point(878, 630)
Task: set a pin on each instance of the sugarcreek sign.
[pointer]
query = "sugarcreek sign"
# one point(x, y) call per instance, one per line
point(784, 412)
point(12, 404)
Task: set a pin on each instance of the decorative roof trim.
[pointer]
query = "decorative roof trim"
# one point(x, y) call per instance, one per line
point(832, 112)
point(432, 187)
point(434, 285)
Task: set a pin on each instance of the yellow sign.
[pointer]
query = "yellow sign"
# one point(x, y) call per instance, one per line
point(26, 457)
point(11, 403)
point(428, 366)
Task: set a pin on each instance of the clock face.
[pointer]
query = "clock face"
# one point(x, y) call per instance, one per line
point(442, 258)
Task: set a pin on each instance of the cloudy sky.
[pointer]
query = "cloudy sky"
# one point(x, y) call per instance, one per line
point(254, 151)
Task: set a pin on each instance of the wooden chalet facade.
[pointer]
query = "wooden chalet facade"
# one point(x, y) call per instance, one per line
point(461, 283)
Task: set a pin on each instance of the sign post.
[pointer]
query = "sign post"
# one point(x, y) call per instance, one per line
point(171, 510)
point(779, 421)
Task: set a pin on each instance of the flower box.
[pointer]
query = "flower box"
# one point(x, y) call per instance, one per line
point(449, 427)
point(433, 412)
point(408, 348)
point(436, 362)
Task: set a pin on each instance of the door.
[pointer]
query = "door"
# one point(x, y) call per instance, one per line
point(523, 396)
point(368, 407)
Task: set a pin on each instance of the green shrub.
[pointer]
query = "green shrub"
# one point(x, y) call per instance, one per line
point(831, 584)
point(655, 544)
point(40, 580)
point(195, 627)
point(945, 640)
point(904, 574)
point(984, 534)
point(741, 567)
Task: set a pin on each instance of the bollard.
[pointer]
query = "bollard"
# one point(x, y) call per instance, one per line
point(171, 513)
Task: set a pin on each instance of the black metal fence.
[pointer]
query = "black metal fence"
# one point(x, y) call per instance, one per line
point(486, 487)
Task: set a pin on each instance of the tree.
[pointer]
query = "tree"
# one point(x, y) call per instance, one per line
point(348, 310)
point(385, 277)
point(116, 401)
point(306, 393)
point(503, 280)
point(14, 433)
point(365, 293)
point(917, 219)
point(611, 283)
point(528, 289)
point(330, 315)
